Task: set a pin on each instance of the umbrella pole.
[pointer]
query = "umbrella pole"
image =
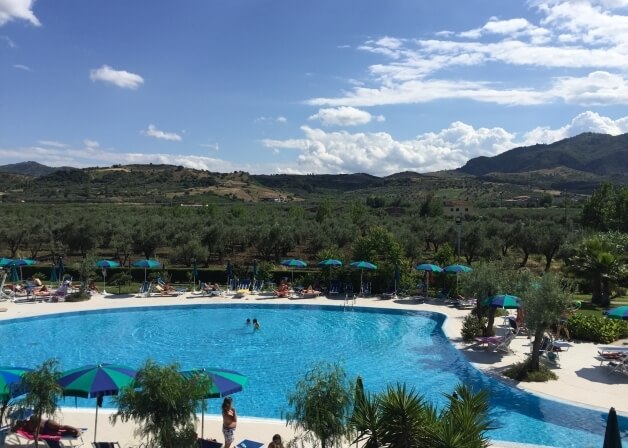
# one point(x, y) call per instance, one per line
point(104, 281)
point(203, 419)
point(96, 422)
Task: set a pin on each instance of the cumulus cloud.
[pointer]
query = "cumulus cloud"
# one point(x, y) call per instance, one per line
point(381, 154)
point(152, 131)
point(280, 119)
point(344, 116)
point(91, 144)
point(573, 48)
point(18, 9)
point(120, 78)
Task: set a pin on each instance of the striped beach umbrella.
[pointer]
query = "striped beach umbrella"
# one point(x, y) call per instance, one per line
point(506, 301)
point(96, 381)
point(621, 312)
point(293, 263)
point(221, 383)
point(104, 265)
point(146, 264)
point(10, 379)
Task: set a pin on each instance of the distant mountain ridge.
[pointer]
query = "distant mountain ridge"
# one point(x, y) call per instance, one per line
point(30, 168)
point(598, 154)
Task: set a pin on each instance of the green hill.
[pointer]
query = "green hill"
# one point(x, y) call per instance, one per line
point(596, 154)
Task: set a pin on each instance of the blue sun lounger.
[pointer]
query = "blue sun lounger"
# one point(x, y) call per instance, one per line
point(249, 444)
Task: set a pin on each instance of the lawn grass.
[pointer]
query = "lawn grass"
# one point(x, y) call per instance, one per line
point(591, 309)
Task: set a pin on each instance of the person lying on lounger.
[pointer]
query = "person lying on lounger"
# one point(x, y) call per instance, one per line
point(47, 427)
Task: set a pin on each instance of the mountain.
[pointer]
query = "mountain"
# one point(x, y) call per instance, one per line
point(600, 155)
point(33, 169)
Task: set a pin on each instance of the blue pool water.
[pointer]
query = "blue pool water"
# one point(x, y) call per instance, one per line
point(384, 347)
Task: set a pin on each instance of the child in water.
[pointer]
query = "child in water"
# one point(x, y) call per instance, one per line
point(255, 324)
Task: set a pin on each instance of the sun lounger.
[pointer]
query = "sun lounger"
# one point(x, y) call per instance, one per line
point(496, 343)
point(106, 445)
point(249, 444)
point(51, 441)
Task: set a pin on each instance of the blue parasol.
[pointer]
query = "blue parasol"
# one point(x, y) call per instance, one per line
point(104, 265)
point(146, 264)
point(294, 263)
point(362, 265)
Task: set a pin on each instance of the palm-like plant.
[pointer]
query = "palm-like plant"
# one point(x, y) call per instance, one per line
point(599, 260)
point(404, 417)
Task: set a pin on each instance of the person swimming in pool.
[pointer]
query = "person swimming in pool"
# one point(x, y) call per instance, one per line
point(255, 324)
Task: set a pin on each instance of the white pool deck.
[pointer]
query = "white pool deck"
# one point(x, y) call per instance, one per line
point(581, 380)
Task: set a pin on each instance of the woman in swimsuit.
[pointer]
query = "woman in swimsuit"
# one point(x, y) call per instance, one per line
point(229, 421)
point(47, 427)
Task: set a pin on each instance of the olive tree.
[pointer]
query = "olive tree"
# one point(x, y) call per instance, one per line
point(546, 299)
point(321, 405)
point(163, 405)
point(43, 392)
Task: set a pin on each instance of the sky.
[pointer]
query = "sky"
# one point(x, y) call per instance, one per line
point(311, 86)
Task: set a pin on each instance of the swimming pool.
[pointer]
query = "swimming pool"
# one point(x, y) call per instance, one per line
point(383, 346)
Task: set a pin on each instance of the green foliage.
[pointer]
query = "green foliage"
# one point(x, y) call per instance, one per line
point(321, 405)
point(596, 329)
point(401, 418)
point(522, 371)
point(77, 297)
point(607, 209)
point(472, 327)
point(43, 391)
point(162, 403)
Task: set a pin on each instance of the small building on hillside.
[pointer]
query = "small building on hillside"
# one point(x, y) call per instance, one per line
point(457, 207)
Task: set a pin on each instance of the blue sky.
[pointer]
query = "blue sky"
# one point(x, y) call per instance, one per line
point(321, 86)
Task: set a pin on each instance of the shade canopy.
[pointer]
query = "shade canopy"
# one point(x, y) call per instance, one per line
point(106, 264)
point(329, 262)
point(612, 436)
point(457, 268)
point(364, 265)
point(222, 382)
point(146, 264)
point(503, 301)
point(294, 263)
point(10, 379)
point(5, 261)
point(621, 312)
point(428, 267)
point(23, 262)
point(95, 380)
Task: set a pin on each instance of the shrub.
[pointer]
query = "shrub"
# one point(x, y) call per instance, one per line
point(472, 327)
point(77, 297)
point(596, 329)
point(521, 372)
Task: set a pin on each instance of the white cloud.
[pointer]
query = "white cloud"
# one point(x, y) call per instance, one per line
point(8, 41)
point(26, 68)
point(17, 9)
point(152, 131)
point(280, 119)
point(91, 144)
point(568, 38)
point(120, 78)
point(52, 143)
point(212, 146)
point(344, 116)
point(381, 154)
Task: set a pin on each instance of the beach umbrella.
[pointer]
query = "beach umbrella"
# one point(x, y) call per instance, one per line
point(362, 265)
point(221, 383)
point(146, 264)
point(428, 267)
point(14, 276)
point(104, 265)
point(61, 268)
point(621, 312)
point(53, 274)
point(229, 271)
point(331, 262)
point(194, 273)
point(397, 276)
point(10, 379)
point(21, 262)
point(294, 263)
point(506, 301)
point(96, 381)
point(457, 269)
point(5, 262)
point(254, 269)
point(612, 437)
